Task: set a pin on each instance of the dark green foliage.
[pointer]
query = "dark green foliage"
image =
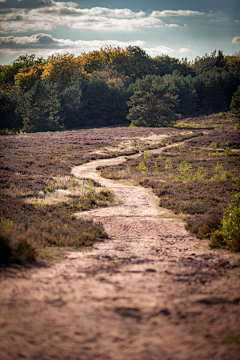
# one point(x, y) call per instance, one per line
point(41, 109)
point(153, 102)
point(75, 108)
point(139, 64)
point(186, 92)
point(213, 62)
point(9, 110)
point(235, 103)
point(167, 65)
point(118, 106)
point(97, 95)
point(105, 105)
point(215, 90)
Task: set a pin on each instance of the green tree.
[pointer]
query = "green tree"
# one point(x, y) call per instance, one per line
point(42, 109)
point(75, 108)
point(153, 102)
point(215, 90)
point(166, 65)
point(186, 92)
point(97, 94)
point(23, 61)
point(235, 104)
point(9, 114)
point(27, 76)
point(215, 61)
point(118, 106)
point(60, 68)
point(138, 63)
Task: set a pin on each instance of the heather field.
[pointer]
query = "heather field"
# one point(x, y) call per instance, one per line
point(197, 178)
point(39, 195)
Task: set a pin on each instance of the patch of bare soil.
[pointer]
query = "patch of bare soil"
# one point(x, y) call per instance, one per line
point(151, 291)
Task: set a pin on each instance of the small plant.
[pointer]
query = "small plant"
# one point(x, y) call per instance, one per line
point(49, 189)
point(141, 166)
point(128, 168)
point(147, 155)
point(72, 216)
point(228, 151)
point(201, 174)
point(42, 204)
point(168, 164)
point(181, 146)
point(213, 145)
point(184, 166)
point(220, 173)
point(155, 168)
point(6, 224)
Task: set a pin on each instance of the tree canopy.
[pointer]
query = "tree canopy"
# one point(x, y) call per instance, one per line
point(153, 102)
point(113, 85)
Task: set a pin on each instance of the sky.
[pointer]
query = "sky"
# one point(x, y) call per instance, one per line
point(178, 28)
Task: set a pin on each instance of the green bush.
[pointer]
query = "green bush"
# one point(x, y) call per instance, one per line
point(141, 166)
point(228, 235)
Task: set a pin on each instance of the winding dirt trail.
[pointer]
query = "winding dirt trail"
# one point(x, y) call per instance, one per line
point(150, 292)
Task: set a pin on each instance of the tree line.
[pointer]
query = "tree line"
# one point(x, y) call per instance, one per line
point(112, 86)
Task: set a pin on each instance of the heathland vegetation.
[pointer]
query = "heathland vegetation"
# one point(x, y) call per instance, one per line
point(199, 178)
point(42, 100)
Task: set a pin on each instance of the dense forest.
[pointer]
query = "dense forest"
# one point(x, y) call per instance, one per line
point(113, 86)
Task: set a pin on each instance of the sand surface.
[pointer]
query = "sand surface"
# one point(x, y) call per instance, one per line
point(151, 291)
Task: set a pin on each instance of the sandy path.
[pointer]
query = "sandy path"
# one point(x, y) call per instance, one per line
point(149, 292)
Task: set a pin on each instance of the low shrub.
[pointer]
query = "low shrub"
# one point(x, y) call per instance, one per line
point(17, 249)
point(6, 249)
point(203, 225)
point(228, 234)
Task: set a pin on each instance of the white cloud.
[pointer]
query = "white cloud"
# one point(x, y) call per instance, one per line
point(184, 50)
point(158, 50)
point(166, 13)
point(237, 21)
point(236, 40)
point(48, 15)
point(171, 25)
point(45, 44)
